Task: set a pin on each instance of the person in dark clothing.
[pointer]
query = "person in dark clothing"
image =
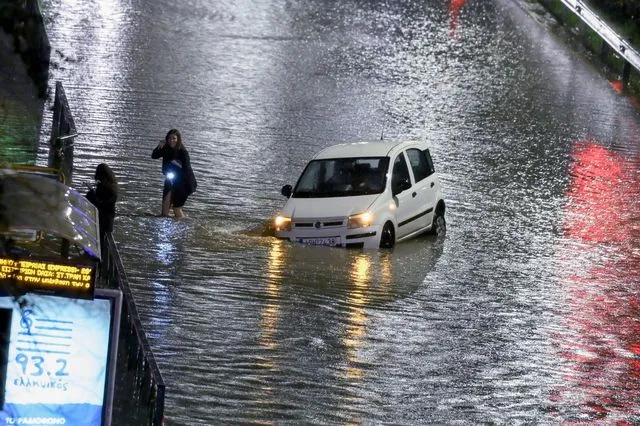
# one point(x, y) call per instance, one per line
point(179, 180)
point(104, 197)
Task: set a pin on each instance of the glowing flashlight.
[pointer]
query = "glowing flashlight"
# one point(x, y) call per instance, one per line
point(171, 175)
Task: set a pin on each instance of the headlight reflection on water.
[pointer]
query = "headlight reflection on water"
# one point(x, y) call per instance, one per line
point(271, 312)
point(355, 329)
point(361, 279)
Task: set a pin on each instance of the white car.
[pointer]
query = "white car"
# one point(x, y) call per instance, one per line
point(364, 194)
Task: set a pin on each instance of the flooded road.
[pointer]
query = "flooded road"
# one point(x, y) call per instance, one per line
point(526, 311)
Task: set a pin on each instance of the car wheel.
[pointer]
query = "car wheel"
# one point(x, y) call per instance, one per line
point(439, 225)
point(387, 236)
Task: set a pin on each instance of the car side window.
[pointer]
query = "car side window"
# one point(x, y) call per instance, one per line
point(419, 164)
point(400, 175)
point(430, 167)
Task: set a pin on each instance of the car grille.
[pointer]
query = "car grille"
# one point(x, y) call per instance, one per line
point(318, 223)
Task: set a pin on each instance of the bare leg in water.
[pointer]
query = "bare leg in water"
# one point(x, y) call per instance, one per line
point(166, 204)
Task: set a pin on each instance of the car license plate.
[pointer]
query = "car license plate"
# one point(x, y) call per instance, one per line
point(326, 241)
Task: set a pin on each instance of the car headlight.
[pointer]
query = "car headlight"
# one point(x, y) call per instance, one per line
point(361, 220)
point(282, 223)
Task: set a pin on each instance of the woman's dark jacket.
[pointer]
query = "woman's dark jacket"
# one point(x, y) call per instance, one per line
point(104, 197)
point(185, 177)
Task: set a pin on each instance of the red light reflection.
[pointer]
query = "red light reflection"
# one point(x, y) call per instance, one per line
point(596, 195)
point(454, 13)
point(601, 343)
point(619, 88)
point(617, 85)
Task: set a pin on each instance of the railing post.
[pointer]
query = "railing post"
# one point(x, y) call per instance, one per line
point(604, 51)
point(626, 75)
point(63, 133)
point(158, 411)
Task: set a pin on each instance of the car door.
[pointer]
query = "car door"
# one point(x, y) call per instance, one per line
point(424, 185)
point(404, 197)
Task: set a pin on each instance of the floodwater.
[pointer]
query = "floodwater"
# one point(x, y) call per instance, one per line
point(526, 311)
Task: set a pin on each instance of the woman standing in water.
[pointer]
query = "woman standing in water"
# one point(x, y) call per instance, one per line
point(179, 180)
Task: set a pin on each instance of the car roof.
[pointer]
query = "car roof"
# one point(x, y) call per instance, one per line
point(366, 149)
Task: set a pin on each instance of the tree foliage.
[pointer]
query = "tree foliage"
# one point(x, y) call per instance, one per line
point(626, 12)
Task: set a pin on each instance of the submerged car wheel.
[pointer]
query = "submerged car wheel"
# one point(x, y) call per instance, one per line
point(439, 225)
point(387, 236)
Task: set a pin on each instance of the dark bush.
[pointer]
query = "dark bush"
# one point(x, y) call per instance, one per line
point(626, 12)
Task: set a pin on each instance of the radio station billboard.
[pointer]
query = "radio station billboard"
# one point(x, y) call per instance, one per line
point(58, 359)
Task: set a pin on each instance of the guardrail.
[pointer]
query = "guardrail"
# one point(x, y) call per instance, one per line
point(140, 391)
point(63, 132)
point(611, 39)
point(615, 41)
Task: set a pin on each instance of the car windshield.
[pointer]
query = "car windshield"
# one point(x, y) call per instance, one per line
point(342, 177)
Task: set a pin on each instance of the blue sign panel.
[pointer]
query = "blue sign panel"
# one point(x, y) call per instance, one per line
point(58, 359)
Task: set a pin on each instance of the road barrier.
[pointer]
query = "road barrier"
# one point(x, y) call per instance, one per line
point(63, 133)
point(140, 389)
point(616, 52)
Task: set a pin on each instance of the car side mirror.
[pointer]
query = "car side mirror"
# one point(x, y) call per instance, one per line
point(403, 185)
point(286, 191)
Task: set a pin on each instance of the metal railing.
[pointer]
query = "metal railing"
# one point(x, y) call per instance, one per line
point(611, 40)
point(140, 390)
point(621, 46)
point(63, 132)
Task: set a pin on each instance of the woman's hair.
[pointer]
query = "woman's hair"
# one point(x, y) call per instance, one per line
point(106, 176)
point(179, 145)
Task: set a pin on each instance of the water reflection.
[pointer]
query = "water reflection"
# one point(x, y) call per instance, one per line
point(600, 196)
point(455, 6)
point(320, 303)
point(357, 299)
point(106, 32)
point(276, 262)
point(168, 235)
point(366, 277)
point(358, 279)
point(601, 342)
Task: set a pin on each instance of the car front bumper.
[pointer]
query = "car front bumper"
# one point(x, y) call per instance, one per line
point(368, 237)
